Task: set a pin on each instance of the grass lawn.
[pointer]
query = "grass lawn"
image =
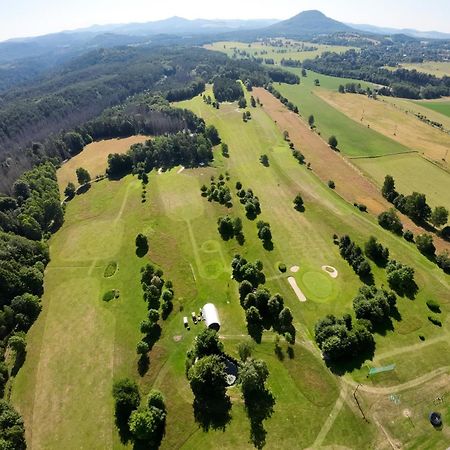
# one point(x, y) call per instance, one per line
point(433, 181)
point(442, 107)
point(354, 138)
point(392, 123)
point(296, 50)
point(80, 344)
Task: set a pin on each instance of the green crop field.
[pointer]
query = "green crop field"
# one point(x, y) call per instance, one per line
point(354, 139)
point(296, 50)
point(433, 180)
point(80, 343)
point(442, 107)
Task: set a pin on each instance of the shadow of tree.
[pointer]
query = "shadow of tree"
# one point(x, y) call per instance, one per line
point(141, 251)
point(212, 412)
point(268, 245)
point(255, 331)
point(18, 362)
point(122, 418)
point(240, 238)
point(259, 408)
point(143, 364)
point(290, 352)
point(83, 189)
point(344, 365)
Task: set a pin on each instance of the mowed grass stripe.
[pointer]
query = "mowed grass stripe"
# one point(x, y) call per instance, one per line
point(354, 139)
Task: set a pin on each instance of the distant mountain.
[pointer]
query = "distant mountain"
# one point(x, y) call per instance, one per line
point(407, 31)
point(307, 23)
point(179, 25)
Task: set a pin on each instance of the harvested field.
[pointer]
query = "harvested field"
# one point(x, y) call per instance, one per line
point(94, 158)
point(400, 126)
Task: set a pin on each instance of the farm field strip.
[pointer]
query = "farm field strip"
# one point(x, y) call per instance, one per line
point(352, 185)
point(441, 107)
point(390, 122)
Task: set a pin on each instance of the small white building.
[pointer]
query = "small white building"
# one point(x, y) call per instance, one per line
point(211, 316)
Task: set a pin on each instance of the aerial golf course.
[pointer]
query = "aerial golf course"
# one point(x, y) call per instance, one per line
point(81, 343)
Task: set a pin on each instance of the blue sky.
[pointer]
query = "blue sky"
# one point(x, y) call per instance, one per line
point(34, 17)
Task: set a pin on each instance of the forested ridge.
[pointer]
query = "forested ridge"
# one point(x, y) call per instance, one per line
point(88, 85)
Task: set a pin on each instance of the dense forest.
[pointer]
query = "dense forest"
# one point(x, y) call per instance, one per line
point(26, 218)
point(49, 111)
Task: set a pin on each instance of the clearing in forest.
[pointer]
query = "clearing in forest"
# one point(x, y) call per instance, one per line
point(94, 158)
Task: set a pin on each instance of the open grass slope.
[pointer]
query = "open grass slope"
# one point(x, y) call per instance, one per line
point(80, 344)
point(94, 158)
point(437, 68)
point(291, 49)
point(392, 123)
point(442, 107)
point(418, 107)
point(355, 139)
point(411, 173)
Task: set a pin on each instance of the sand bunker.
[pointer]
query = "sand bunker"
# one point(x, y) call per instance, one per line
point(298, 292)
point(180, 169)
point(330, 271)
point(295, 269)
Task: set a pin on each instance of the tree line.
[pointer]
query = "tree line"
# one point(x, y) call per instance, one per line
point(368, 65)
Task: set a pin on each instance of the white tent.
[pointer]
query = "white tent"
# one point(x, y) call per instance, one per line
point(211, 316)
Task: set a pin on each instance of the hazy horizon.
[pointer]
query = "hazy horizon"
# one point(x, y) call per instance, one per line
point(26, 18)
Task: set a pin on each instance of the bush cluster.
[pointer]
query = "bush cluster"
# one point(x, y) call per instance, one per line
point(250, 202)
point(218, 191)
point(353, 254)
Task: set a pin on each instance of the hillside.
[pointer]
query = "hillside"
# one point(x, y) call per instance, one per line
point(307, 23)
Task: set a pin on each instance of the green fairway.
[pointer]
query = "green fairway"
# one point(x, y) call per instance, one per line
point(80, 344)
point(354, 139)
point(442, 107)
point(433, 181)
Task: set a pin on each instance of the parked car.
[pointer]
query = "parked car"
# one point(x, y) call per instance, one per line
point(186, 323)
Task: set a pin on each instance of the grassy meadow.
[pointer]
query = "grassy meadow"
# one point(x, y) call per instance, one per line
point(436, 68)
point(442, 107)
point(354, 138)
point(296, 50)
point(432, 180)
point(80, 343)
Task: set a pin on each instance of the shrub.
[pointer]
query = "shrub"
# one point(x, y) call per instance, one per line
point(333, 142)
point(331, 184)
point(390, 221)
point(434, 306)
point(109, 295)
point(424, 243)
point(443, 261)
point(110, 269)
point(282, 267)
point(435, 321)
point(408, 235)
